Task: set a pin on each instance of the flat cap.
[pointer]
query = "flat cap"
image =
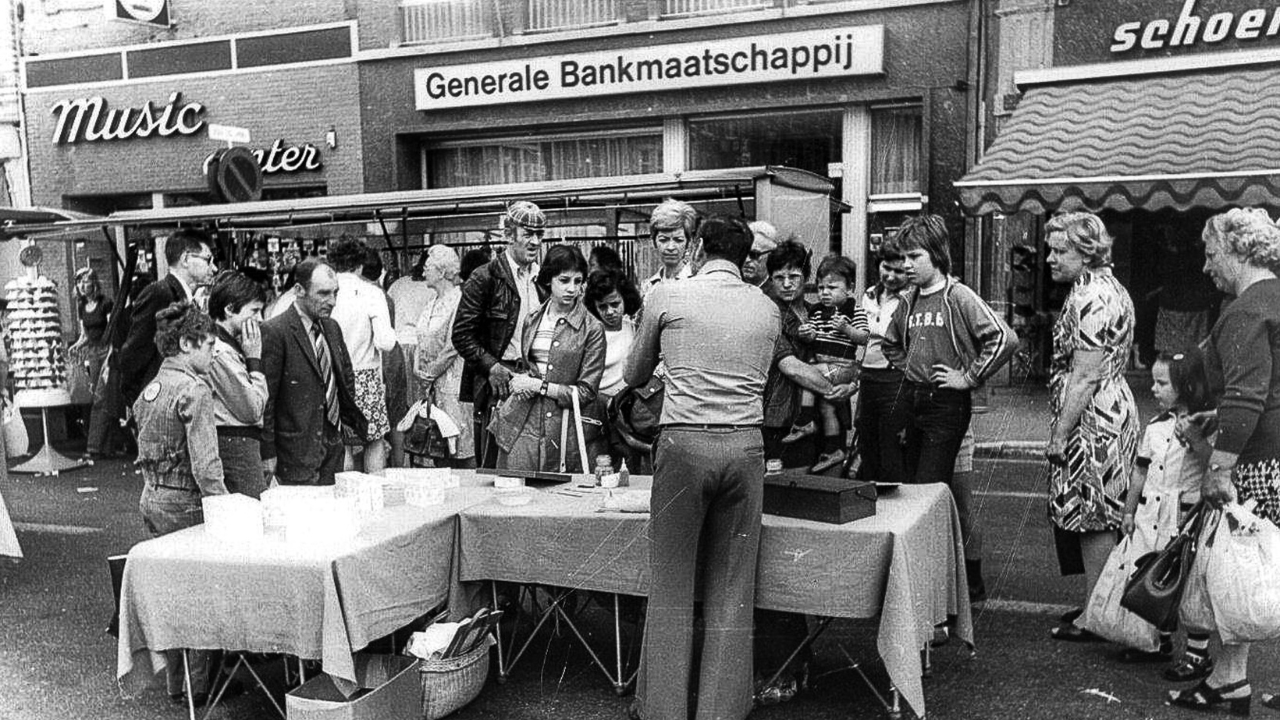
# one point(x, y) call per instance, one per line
point(525, 214)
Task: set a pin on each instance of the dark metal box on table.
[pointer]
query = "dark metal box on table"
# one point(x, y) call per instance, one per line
point(818, 498)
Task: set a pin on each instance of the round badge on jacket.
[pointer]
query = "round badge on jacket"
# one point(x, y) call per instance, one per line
point(152, 392)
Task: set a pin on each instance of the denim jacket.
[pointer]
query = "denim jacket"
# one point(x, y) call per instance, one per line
point(577, 358)
point(177, 439)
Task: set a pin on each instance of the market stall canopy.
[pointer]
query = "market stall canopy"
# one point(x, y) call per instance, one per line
point(11, 217)
point(734, 183)
point(1205, 140)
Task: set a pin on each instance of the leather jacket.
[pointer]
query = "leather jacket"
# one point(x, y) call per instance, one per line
point(486, 321)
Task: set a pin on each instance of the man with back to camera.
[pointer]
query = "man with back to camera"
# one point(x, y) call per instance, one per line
point(310, 384)
point(189, 254)
point(717, 337)
point(489, 323)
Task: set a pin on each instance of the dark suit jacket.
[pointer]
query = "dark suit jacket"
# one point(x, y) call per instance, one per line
point(293, 422)
point(139, 358)
point(486, 321)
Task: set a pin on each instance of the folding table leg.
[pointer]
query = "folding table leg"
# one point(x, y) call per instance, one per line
point(619, 686)
point(497, 631)
point(808, 640)
point(186, 671)
point(242, 662)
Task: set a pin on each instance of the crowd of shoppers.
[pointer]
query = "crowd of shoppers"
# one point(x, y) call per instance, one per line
point(528, 350)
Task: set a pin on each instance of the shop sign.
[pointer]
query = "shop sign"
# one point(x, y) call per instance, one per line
point(280, 158)
point(147, 12)
point(1191, 28)
point(90, 120)
point(814, 54)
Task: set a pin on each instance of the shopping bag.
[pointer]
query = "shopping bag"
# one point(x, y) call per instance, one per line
point(1105, 617)
point(1196, 611)
point(79, 385)
point(16, 443)
point(1243, 577)
point(1154, 590)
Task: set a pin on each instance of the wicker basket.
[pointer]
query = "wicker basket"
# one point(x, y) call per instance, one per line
point(448, 685)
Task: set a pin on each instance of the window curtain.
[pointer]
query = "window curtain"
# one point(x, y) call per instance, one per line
point(536, 160)
point(895, 151)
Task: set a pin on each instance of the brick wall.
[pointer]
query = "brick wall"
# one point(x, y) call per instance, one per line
point(298, 105)
point(67, 25)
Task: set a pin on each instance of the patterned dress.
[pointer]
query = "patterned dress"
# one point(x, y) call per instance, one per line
point(1088, 493)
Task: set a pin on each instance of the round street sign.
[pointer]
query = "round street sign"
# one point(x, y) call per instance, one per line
point(234, 175)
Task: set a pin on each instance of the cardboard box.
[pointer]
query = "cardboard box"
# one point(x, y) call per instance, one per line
point(388, 688)
point(818, 498)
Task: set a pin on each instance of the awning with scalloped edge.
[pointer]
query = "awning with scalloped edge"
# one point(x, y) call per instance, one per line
point(1204, 140)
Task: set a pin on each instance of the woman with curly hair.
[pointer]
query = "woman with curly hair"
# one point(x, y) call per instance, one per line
point(1242, 359)
point(1093, 438)
point(178, 452)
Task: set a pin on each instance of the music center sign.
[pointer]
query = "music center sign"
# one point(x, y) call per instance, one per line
point(813, 54)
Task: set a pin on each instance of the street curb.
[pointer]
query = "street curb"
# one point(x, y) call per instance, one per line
point(1010, 449)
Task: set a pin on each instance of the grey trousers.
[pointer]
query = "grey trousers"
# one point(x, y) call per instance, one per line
point(707, 490)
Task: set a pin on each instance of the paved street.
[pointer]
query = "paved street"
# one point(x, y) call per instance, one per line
point(57, 662)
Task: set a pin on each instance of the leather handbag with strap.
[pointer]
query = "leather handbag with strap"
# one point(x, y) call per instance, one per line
point(1154, 591)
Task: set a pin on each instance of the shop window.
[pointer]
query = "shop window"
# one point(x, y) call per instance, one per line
point(808, 140)
point(428, 21)
point(896, 150)
point(548, 15)
point(548, 157)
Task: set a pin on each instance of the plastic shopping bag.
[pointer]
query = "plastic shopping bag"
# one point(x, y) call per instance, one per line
point(1196, 611)
point(1104, 616)
point(16, 442)
point(1243, 577)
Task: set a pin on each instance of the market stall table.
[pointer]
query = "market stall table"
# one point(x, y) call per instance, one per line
point(905, 564)
point(190, 590)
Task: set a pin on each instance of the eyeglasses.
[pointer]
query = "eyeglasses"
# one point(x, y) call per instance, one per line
point(207, 258)
point(756, 254)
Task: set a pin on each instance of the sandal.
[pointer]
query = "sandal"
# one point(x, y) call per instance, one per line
point(1204, 698)
point(1189, 668)
point(1269, 701)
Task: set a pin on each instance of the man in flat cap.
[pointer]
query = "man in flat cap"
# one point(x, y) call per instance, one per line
point(489, 323)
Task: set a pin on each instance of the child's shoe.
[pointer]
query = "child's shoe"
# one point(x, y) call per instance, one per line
point(799, 432)
point(1190, 668)
point(828, 461)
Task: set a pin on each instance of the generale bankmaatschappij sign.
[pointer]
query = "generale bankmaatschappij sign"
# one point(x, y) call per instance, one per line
point(813, 54)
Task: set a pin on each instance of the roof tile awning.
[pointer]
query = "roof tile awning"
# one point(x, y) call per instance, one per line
point(1208, 140)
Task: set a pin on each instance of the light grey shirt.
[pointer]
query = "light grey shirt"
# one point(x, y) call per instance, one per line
point(716, 336)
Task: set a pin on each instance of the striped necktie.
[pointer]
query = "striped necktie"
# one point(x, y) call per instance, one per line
point(326, 373)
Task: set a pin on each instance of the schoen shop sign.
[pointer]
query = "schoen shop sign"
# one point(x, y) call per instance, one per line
point(816, 54)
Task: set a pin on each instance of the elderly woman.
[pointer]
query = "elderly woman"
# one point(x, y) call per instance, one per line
point(1093, 438)
point(438, 365)
point(1242, 254)
point(672, 225)
point(563, 352)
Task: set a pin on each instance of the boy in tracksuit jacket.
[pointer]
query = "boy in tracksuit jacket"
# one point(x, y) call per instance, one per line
point(946, 341)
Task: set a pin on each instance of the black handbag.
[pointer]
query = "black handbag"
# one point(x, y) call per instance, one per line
point(423, 436)
point(1154, 591)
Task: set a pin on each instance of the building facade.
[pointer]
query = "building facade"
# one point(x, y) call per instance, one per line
point(123, 115)
point(1155, 114)
point(872, 95)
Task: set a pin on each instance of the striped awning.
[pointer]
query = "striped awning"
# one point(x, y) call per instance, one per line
point(1203, 140)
